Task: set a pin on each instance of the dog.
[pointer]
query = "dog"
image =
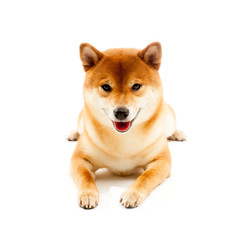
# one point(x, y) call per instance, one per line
point(125, 123)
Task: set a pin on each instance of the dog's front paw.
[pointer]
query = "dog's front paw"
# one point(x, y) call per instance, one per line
point(88, 199)
point(132, 198)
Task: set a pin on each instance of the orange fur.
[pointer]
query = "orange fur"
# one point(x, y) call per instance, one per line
point(145, 144)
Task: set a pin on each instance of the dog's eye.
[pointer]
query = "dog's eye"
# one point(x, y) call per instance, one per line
point(136, 87)
point(106, 88)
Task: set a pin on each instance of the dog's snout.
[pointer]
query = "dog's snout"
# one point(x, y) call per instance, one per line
point(121, 113)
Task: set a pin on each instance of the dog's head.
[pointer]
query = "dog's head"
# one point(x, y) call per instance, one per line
point(122, 86)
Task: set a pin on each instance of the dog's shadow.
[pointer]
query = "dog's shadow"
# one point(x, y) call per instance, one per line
point(106, 179)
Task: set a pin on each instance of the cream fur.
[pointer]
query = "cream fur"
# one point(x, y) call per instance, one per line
point(144, 145)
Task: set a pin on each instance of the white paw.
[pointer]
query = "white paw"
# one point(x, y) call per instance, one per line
point(132, 198)
point(73, 135)
point(177, 136)
point(88, 199)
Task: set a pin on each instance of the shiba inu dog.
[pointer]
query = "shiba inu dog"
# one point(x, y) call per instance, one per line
point(125, 123)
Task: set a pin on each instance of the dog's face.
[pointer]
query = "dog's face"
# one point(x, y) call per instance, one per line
point(122, 86)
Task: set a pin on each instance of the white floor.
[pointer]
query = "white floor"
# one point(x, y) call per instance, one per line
point(200, 200)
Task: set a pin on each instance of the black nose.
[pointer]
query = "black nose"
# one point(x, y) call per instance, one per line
point(121, 113)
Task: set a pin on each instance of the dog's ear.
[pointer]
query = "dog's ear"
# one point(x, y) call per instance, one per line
point(89, 55)
point(152, 54)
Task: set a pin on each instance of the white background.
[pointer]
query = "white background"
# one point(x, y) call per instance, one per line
point(41, 80)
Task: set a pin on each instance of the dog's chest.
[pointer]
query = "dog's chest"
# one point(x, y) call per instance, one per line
point(123, 165)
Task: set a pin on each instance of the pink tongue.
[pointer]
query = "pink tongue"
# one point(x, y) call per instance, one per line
point(122, 126)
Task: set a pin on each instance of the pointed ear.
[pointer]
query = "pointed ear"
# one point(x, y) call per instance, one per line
point(152, 54)
point(89, 55)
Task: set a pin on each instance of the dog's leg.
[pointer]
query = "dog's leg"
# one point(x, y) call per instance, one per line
point(170, 130)
point(177, 136)
point(83, 176)
point(73, 135)
point(156, 172)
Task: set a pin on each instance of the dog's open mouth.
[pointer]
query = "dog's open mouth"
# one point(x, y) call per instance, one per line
point(122, 126)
